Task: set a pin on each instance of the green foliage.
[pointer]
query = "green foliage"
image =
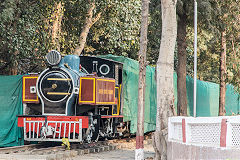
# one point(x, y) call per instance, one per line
point(213, 17)
point(26, 27)
point(208, 56)
point(154, 31)
point(22, 39)
point(118, 32)
point(230, 22)
point(73, 21)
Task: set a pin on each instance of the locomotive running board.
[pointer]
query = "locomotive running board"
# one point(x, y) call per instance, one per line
point(32, 135)
point(110, 116)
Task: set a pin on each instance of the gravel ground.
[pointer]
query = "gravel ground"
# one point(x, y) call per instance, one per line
point(120, 154)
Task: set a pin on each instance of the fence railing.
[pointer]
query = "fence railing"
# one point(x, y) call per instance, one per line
point(221, 131)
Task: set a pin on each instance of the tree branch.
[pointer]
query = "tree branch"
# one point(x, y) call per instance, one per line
point(88, 24)
point(85, 30)
point(98, 16)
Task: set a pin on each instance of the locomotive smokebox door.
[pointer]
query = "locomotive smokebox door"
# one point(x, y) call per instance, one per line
point(29, 94)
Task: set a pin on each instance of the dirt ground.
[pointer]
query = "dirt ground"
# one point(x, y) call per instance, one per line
point(119, 154)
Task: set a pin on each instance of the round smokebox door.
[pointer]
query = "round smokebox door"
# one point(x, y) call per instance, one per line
point(56, 86)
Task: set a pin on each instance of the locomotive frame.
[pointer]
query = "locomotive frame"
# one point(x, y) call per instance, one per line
point(92, 100)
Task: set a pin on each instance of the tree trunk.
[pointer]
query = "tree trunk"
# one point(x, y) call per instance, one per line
point(90, 20)
point(56, 27)
point(88, 23)
point(234, 56)
point(181, 68)
point(139, 154)
point(223, 72)
point(165, 96)
point(14, 65)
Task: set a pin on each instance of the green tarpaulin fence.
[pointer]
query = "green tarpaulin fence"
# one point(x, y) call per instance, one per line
point(207, 95)
point(207, 100)
point(10, 106)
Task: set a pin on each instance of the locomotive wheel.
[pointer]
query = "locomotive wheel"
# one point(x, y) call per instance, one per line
point(95, 133)
point(95, 136)
point(92, 137)
point(92, 133)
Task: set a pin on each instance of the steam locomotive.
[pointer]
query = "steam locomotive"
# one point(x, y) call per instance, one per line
point(75, 97)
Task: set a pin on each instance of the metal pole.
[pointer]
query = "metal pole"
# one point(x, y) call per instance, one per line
point(195, 60)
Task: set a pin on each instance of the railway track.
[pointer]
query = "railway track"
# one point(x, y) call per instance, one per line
point(47, 152)
point(43, 152)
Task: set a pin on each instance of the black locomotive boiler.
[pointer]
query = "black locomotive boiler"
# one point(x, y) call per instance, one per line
point(75, 97)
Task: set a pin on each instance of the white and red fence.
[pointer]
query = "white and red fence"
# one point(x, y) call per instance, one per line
point(205, 131)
